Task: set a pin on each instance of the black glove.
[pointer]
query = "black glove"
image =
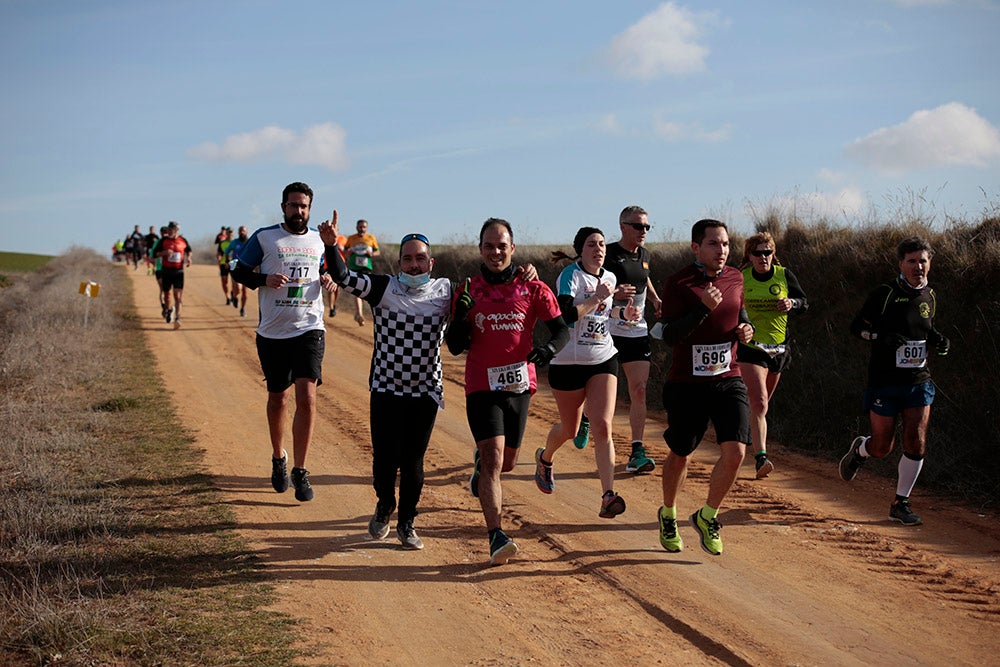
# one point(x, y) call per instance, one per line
point(464, 303)
point(891, 341)
point(940, 342)
point(540, 356)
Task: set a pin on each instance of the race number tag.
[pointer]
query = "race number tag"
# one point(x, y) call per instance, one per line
point(709, 360)
point(593, 329)
point(513, 378)
point(912, 355)
point(175, 257)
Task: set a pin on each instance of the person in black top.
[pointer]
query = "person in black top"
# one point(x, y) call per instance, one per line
point(898, 320)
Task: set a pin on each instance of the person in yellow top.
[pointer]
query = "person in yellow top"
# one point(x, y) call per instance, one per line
point(361, 249)
point(770, 292)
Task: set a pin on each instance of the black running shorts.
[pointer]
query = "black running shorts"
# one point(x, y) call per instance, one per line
point(691, 405)
point(497, 413)
point(284, 360)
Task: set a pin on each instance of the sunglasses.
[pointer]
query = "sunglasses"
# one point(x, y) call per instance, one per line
point(415, 237)
point(762, 253)
point(638, 226)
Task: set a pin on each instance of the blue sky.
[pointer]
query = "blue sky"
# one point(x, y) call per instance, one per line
point(432, 116)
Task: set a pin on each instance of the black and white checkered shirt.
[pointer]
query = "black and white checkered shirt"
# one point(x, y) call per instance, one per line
point(409, 329)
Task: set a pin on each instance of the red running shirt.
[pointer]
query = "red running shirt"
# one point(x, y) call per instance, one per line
point(502, 325)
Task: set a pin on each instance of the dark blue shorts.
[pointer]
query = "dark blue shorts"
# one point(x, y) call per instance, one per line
point(890, 401)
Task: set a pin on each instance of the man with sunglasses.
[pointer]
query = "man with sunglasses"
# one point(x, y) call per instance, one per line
point(411, 311)
point(628, 260)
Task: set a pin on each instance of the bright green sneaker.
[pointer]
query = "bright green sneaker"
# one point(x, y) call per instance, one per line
point(670, 539)
point(709, 532)
point(582, 434)
point(638, 462)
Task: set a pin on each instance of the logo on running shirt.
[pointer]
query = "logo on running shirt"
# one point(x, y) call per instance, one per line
point(500, 321)
point(925, 310)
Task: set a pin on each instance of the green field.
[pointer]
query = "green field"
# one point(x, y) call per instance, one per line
point(19, 262)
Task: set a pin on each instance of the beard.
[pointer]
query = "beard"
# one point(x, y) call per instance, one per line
point(297, 223)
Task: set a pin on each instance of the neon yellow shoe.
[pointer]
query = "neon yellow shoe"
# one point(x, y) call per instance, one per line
point(670, 539)
point(709, 532)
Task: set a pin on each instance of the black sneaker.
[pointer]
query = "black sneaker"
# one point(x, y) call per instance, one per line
point(852, 461)
point(236, 303)
point(303, 489)
point(764, 466)
point(502, 548)
point(474, 480)
point(279, 473)
point(243, 312)
point(900, 511)
point(227, 300)
point(378, 525)
point(408, 536)
point(170, 314)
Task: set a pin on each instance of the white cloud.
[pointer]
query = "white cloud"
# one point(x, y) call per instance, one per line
point(322, 145)
point(846, 202)
point(950, 135)
point(673, 132)
point(608, 124)
point(663, 42)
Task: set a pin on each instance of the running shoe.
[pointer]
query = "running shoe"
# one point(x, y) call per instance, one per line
point(763, 465)
point(709, 533)
point(543, 473)
point(611, 505)
point(378, 525)
point(279, 473)
point(177, 323)
point(303, 489)
point(408, 537)
point(170, 313)
point(900, 511)
point(333, 312)
point(851, 463)
point(502, 548)
point(236, 303)
point(227, 300)
point(670, 539)
point(243, 312)
point(638, 462)
point(583, 434)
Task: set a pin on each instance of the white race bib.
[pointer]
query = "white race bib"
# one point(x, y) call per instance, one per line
point(513, 378)
point(912, 355)
point(175, 257)
point(593, 329)
point(710, 360)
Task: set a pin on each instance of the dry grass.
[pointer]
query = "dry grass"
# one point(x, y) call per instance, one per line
point(110, 554)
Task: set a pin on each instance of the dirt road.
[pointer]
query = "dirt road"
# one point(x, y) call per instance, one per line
point(813, 573)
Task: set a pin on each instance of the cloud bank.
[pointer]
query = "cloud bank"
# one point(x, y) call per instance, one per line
point(323, 145)
point(948, 136)
point(662, 42)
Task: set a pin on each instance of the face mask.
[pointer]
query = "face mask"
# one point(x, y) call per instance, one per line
point(414, 281)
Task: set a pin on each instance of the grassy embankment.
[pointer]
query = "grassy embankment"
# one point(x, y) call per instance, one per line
point(110, 552)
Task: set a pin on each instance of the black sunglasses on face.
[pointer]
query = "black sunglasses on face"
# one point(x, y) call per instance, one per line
point(638, 226)
point(762, 253)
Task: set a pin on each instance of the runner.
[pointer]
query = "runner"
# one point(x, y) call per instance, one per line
point(494, 319)
point(134, 249)
point(587, 368)
point(770, 292)
point(239, 295)
point(898, 320)
point(332, 295)
point(158, 271)
point(148, 243)
point(225, 237)
point(175, 253)
point(290, 334)
point(629, 260)
point(703, 318)
point(410, 311)
point(361, 250)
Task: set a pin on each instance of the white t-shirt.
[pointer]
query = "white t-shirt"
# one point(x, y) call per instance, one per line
point(590, 337)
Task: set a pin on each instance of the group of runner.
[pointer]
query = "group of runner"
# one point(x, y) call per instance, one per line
point(728, 329)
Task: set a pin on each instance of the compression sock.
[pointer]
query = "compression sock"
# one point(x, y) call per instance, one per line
point(909, 470)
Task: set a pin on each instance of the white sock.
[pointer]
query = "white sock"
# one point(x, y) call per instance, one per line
point(863, 449)
point(909, 470)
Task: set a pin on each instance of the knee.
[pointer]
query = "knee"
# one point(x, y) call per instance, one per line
point(637, 392)
point(758, 405)
point(600, 430)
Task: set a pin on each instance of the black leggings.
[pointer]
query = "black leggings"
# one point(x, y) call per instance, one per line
point(401, 428)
